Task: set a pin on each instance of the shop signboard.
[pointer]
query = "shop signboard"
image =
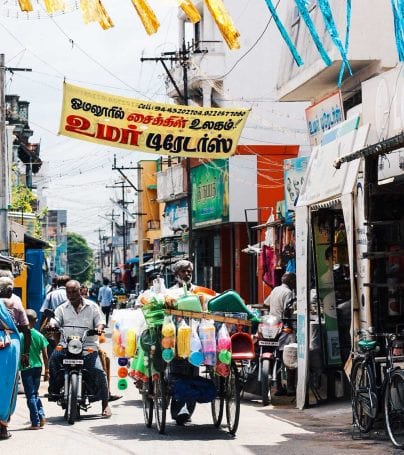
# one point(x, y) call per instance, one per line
point(324, 115)
point(294, 170)
point(175, 218)
point(210, 193)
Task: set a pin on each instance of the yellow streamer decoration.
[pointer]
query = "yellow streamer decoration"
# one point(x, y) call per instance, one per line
point(190, 10)
point(25, 5)
point(224, 22)
point(52, 6)
point(147, 16)
point(94, 11)
point(104, 20)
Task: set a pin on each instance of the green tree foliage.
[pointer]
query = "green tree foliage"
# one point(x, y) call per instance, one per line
point(79, 258)
point(22, 199)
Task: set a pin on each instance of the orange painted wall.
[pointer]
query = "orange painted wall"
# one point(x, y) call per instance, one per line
point(270, 187)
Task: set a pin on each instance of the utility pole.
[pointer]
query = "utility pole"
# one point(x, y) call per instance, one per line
point(113, 216)
point(139, 219)
point(101, 255)
point(183, 57)
point(123, 186)
point(4, 163)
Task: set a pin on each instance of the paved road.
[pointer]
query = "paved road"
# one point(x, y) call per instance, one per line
point(279, 429)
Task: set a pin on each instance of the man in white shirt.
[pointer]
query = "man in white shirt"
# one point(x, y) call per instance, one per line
point(280, 303)
point(80, 312)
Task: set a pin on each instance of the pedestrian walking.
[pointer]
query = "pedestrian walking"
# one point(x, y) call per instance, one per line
point(52, 300)
point(105, 299)
point(9, 358)
point(31, 376)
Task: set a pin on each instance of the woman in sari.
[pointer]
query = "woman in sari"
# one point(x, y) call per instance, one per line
point(9, 360)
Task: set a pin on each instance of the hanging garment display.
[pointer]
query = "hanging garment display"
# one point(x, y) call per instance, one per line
point(268, 266)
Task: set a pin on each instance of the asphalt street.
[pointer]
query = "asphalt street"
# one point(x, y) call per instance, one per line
point(278, 429)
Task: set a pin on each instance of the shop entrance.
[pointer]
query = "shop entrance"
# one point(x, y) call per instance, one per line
point(330, 304)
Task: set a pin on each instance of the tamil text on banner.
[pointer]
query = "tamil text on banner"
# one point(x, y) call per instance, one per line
point(164, 129)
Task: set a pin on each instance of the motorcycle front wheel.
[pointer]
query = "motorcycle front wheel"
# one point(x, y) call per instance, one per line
point(266, 381)
point(72, 407)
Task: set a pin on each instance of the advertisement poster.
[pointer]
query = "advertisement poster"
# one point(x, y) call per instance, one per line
point(323, 115)
point(294, 171)
point(163, 129)
point(325, 286)
point(175, 218)
point(210, 193)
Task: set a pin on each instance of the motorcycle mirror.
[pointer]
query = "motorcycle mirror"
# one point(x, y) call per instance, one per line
point(49, 313)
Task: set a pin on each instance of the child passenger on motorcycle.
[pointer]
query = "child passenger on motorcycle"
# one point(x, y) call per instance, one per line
point(79, 312)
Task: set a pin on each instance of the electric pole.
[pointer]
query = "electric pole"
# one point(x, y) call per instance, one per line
point(183, 57)
point(4, 162)
point(113, 216)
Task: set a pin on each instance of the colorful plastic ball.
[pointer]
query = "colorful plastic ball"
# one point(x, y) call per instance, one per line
point(167, 342)
point(225, 356)
point(122, 384)
point(196, 358)
point(122, 361)
point(122, 372)
point(167, 354)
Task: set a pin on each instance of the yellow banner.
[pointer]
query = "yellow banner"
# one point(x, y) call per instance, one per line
point(164, 129)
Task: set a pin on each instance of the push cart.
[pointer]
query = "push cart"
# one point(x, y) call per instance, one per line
point(157, 390)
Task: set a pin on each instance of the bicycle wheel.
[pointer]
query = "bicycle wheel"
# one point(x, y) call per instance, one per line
point(394, 408)
point(232, 397)
point(148, 404)
point(364, 399)
point(160, 403)
point(217, 405)
point(266, 382)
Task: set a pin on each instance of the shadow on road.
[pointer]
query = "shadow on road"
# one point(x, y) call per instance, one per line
point(138, 431)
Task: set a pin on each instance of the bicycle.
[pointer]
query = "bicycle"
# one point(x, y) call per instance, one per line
point(370, 395)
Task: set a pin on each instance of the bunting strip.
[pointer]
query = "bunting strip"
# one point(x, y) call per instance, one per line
point(104, 20)
point(25, 5)
point(398, 14)
point(224, 23)
point(190, 10)
point(147, 16)
point(347, 31)
point(284, 33)
point(332, 30)
point(305, 15)
point(52, 6)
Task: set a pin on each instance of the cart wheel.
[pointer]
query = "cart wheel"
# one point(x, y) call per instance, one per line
point(232, 396)
point(160, 403)
point(147, 400)
point(217, 405)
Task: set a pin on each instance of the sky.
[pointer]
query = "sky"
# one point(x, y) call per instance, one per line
point(64, 48)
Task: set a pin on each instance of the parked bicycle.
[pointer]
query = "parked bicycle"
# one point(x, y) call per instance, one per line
point(375, 390)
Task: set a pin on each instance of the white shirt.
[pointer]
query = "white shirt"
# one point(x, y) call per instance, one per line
point(54, 299)
point(89, 317)
point(280, 297)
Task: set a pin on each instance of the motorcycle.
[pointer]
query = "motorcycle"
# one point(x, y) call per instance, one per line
point(261, 373)
point(79, 389)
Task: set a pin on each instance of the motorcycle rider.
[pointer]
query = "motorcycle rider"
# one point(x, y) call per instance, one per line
point(78, 311)
point(280, 303)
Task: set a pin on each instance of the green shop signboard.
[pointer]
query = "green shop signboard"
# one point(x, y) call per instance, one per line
point(210, 193)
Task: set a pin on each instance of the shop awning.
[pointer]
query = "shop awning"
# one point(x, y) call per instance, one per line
point(135, 260)
point(35, 243)
point(381, 148)
point(323, 183)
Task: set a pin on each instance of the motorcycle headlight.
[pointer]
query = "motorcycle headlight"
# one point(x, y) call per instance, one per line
point(75, 347)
